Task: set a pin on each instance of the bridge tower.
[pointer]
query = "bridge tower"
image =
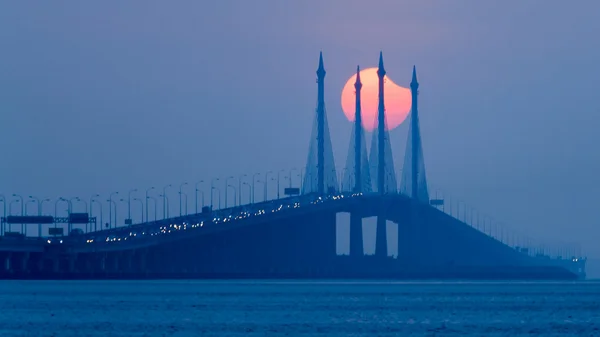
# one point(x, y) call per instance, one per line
point(414, 180)
point(382, 163)
point(320, 175)
point(357, 177)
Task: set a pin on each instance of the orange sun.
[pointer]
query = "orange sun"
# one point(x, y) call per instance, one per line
point(397, 100)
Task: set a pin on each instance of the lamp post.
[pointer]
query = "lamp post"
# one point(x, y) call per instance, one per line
point(250, 191)
point(254, 191)
point(129, 202)
point(3, 198)
point(234, 194)
point(56, 208)
point(94, 200)
point(219, 200)
point(185, 209)
point(196, 195)
point(180, 193)
point(253, 180)
point(110, 218)
point(266, 194)
point(91, 211)
point(278, 189)
point(39, 212)
point(240, 189)
point(226, 188)
point(154, 200)
point(212, 187)
point(111, 203)
point(141, 209)
point(147, 191)
point(165, 202)
point(22, 210)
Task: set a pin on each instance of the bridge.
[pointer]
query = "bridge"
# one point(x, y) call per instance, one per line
point(293, 235)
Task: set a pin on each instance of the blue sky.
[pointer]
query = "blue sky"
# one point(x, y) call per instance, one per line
point(108, 96)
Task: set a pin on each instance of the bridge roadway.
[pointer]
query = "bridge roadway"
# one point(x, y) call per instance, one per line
point(172, 229)
point(154, 232)
point(289, 236)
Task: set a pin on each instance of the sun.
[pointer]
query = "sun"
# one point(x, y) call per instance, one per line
point(397, 100)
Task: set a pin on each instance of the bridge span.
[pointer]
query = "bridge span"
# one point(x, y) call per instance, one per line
point(288, 238)
point(295, 237)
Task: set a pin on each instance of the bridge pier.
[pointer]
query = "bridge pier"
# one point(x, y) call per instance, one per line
point(356, 234)
point(381, 235)
point(7, 263)
point(25, 263)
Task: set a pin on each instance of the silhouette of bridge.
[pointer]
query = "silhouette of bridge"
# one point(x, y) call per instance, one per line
point(294, 235)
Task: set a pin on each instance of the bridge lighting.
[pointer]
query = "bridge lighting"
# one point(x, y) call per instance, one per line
point(196, 195)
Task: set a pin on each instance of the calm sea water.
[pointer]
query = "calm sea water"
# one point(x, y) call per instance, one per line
point(286, 308)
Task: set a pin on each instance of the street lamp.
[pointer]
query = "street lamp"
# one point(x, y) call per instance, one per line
point(39, 212)
point(196, 195)
point(234, 194)
point(110, 208)
point(94, 200)
point(141, 209)
point(226, 188)
point(3, 198)
point(91, 212)
point(254, 191)
point(240, 189)
point(129, 203)
point(250, 192)
point(155, 202)
point(212, 187)
point(253, 179)
point(278, 172)
point(266, 194)
point(165, 202)
point(22, 211)
point(180, 193)
point(148, 190)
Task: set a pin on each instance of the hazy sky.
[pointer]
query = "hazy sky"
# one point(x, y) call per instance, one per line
point(113, 95)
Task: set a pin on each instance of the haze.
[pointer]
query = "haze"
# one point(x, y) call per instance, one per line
point(109, 96)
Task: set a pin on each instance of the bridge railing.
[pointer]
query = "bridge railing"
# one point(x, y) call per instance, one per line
point(487, 225)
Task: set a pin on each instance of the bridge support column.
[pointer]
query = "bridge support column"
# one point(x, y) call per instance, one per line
point(7, 265)
point(142, 267)
point(381, 235)
point(356, 235)
point(55, 265)
point(25, 263)
point(71, 264)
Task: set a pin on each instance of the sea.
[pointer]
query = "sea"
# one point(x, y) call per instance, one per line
point(293, 308)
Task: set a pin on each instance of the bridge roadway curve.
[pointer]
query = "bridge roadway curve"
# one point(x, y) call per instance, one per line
point(290, 236)
point(173, 229)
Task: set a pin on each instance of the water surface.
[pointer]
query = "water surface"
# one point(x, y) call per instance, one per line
point(286, 308)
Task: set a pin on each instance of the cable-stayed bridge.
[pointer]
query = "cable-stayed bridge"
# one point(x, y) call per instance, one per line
point(294, 235)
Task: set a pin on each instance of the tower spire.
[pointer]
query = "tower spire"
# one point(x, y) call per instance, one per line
point(380, 234)
point(381, 129)
point(320, 165)
point(414, 183)
point(321, 126)
point(357, 135)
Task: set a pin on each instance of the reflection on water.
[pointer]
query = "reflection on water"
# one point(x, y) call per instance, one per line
point(192, 308)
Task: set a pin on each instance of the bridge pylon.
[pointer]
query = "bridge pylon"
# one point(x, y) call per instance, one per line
point(414, 180)
point(382, 162)
point(320, 174)
point(356, 175)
